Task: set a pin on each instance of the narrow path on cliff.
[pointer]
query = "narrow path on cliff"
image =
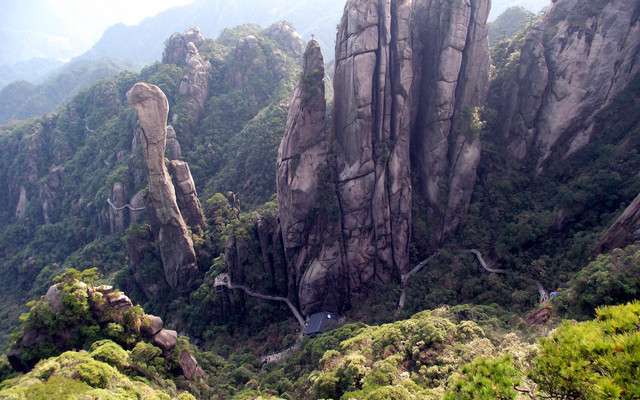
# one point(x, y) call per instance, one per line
point(404, 279)
point(225, 280)
point(123, 207)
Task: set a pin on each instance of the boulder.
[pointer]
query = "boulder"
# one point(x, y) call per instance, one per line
point(119, 301)
point(174, 239)
point(165, 340)
point(151, 325)
point(189, 365)
point(53, 298)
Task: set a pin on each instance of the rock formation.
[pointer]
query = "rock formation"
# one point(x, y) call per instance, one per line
point(116, 215)
point(107, 306)
point(451, 62)
point(291, 40)
point(313, 248)
point(625, 231)
point(186, 194)
point(573, 62)
point(174, 152)
point(371, 134)
point(176, 246)
point(405, 74)
point(195, 83)
point(182, 50)
point(175, 51)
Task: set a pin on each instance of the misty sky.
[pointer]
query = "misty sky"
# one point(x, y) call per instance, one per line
point(72, 26)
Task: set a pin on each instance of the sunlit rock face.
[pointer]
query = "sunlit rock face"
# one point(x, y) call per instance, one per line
point(176, 246)
point(574, 62)
point(408, 78)
point(313, 250)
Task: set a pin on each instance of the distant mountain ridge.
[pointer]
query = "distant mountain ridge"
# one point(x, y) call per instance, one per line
point(144, 43)
point(22, 99)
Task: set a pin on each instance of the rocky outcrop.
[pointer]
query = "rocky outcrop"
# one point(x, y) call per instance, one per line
point(166, 340)
point(175, 51)
point(284, 34)
point(182, 50)
point(625, 231)
point(194, 85)
point(23, 202)
point(408, 75)
point(174, 152)
point(174, 239)
point(251, 60)
point(451, 62)
point(49, 190)
point(313, 252)
point(186, 193)
point(189, 366)
point(371, 134)
point(573, 62)
point(116, 214)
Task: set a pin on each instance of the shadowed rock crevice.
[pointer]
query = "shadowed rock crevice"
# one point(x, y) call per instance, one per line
point(452, 71)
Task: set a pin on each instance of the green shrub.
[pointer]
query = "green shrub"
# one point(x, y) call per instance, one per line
point(593, 360)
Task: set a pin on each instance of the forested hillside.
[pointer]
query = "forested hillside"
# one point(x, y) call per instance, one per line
point(454, 206)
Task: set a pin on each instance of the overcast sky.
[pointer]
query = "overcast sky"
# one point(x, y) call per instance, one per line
point(71, 25)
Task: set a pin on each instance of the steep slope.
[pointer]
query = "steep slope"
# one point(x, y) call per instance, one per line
point(452, 66)
point(21, 100)
point(73, 181)
point(573, 62)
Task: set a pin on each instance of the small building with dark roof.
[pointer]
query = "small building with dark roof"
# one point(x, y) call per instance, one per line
point(320, 322)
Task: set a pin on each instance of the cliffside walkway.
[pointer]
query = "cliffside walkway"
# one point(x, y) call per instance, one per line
point(225, 280)
point(404, 279)
point(544, 295)
point(123, 207)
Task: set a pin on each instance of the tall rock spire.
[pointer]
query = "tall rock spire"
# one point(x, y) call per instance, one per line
point(371, 134)
point(451, 61)
point(308, 209)
point(176, 246)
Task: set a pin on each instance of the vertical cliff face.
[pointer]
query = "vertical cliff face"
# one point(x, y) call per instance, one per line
point(371, 134)
point(408, 76)
point(176, 246)
point(573, 62)
point(451, 60)
point(186, 195)
point(313, 249)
